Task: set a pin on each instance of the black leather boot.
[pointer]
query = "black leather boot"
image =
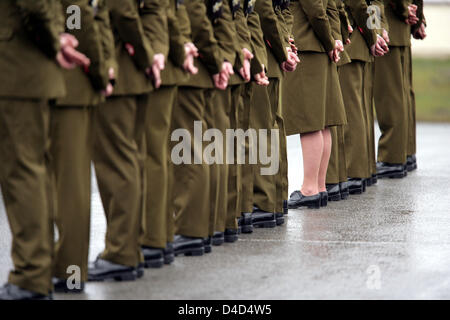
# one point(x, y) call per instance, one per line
point(263, 219)
point(102, 270)
point(61, 286)
point(12, 292)
point(153, 257)
point(324, 199)
point(218, 238)
point(279, 216)
point(343, 187)
point(334, 192)
point(188, 246)
point(411, 163)
point(389, 170)
point(231, 235)
point(355, 186)
point(245, 222)
point(169, 253)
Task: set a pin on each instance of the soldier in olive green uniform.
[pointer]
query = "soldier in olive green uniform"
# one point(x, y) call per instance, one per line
point(119, 124)
point(158, 224)
point(313, 97)
point(191, 187)
point(29, 42)
point(71, 133)
point(418, 32)
point(266, 113)
point(391, 93)
point(337, 176)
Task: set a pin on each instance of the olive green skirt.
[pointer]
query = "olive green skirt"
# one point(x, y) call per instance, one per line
point(312, 98)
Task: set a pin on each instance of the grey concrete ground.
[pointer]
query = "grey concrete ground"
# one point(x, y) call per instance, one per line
point(391, 243)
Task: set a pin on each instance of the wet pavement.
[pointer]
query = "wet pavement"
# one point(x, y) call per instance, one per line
point(393, 242)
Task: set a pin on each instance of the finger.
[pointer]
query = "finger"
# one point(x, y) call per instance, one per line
point(156, 73)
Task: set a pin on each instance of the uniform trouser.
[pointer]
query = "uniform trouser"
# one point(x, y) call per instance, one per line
point(218, 117)
point(71, 154)
point(411, 148)
point(391, 96)
point(236, 116)
point(119, 124)
point(157, 220)
point(337, 167)
point(261, 117)
point(191, 187)
point(25, 184)
point(351, 77)
point(247, 169)
point(270, 190)
point(368, 98)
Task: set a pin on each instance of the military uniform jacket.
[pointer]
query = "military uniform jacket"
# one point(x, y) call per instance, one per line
point(29, 42)
point(396, 13)
point(274, 35)
point(334, 15)
point(96, 42)
point(362, 38)
point(202, 34)
point(257, 40)
point(128, 29)
point(311, 26)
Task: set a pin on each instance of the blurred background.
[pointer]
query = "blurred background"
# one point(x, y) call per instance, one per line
point(431, 64)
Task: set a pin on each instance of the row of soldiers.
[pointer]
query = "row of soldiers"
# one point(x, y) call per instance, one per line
point(113, 91)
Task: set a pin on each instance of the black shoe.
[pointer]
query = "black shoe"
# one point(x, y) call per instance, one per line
point(297, 199)
point(334, 192)
point(368, 182)
point(12, 292)
point(188, 246)
point(374, 179)
point(285, 207)
point(102, 270)
point(355, 186)
point(231, 235)
point(207, 243)
point(169, 253)
point(364, 185)
point(411, 163)
point(324, 199)
point(218, 238)
point(279, 216)
point(389, 170)
point(245, 222)
point(263, 219)
point(61, 286)
point(343, 187)
point(153, 257)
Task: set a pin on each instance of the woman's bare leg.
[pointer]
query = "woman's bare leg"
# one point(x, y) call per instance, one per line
point(327, 142)
point(312, 149)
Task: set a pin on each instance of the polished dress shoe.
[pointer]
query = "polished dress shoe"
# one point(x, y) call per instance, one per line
point(218, 238)
point(324, 199)
point(102, 270)
point(61, 286)
point(245, 222)
point(411, 163)
point(355, 185)
point(389, 170)
point(153, 257)
point(279, 217)
point(169, 253)
point(297, 199)
point(343, 188)
point(334, 192)
point(188, 246)
point(285, 207)
point(368, 182)
point(231, 235)
point(263, 219)
point(207, 243)
point(12, 292)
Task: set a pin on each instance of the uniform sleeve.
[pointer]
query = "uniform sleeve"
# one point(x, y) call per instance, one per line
point(125, 18)
point(420, 15)
point(41, 20)
point(184, 22)
point(383, 20)
point(243, 31)
point(358, 10)
point(318, 19)
point(106, 36)
point(154, 20)
point(259, 47)
point(335, 22)
point(203, 35)
point(176, 38)
point(273, 32)
point(345, 23)
point(288, 18)
point(226, 35)
point(400, 8)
